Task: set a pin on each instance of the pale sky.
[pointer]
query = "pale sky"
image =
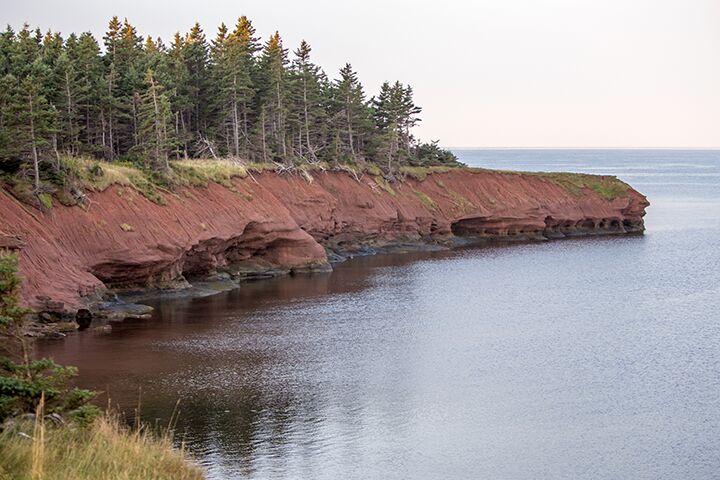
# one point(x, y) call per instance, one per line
point(488, 73)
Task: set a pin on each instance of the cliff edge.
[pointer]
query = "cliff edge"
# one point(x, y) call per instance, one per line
point(283, 223)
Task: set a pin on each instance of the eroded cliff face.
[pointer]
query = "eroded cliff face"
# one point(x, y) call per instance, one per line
point(284, 223)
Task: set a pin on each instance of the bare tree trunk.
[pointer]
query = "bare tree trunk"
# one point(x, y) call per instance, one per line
point(136, 136)
point(307, 120)
point(158, 126)
point(177, 133)
point(236, 120)
point(185, 135)
point(36, 161)
point(103, 126)
point(280, 121)
point(110, 119)
point(349, 124)
point(70, 130)
point(55, 150)
point(264, 144)
point(245, 122)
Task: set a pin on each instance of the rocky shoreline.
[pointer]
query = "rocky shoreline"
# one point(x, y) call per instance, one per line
point(75, 260)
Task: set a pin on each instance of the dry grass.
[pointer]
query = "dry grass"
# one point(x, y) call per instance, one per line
point(202, 172)
point(103, 450)
point(421, 173)
point(98, 176)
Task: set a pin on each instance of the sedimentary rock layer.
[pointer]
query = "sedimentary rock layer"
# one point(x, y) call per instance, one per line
point(273, 222)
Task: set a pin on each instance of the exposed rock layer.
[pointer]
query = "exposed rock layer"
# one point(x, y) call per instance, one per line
point(283, 223)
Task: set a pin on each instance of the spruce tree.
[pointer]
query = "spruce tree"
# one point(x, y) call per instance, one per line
point(273, 98)
point(155, 123)
point(234, 69)
point(307, 109)
point(90, 92)
point(31, 121)
point(351, 113)
point(144, 101)
point(181, 98)
point(195, 55)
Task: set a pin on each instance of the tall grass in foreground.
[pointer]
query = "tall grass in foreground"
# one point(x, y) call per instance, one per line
point(103, 450)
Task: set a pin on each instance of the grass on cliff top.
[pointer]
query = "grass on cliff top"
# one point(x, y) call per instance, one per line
point(421, 173)
point(104, 449)
point(608, 187)
point(99, 175)
point(199, 173)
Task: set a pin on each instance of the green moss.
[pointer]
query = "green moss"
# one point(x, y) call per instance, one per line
point(65, 198)
point(45, 199)
point(23, 191)
point(373, 169)
point(385, 185)
point(427, 201)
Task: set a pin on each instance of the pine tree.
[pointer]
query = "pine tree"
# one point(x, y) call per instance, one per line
point(155, 123)
point(351, 113)
point(124, 81)
point(7, 48)
point(181, 97)
point(8, 157)
point(229, 97)
point(31, 121)
point(395, 115)
point(234, 57)
point(386, 119)
point(25, 55)
point(195, 55)
point(90, 91)
point(273, 97)
point(408, 116)
point(110, 103)
point(307, 109)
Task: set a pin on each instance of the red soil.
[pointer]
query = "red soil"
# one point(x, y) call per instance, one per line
point(275, 222)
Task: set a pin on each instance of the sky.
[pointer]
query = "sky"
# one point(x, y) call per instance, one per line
point(488, 73)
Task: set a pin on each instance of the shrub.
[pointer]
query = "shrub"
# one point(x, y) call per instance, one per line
point(23, 380)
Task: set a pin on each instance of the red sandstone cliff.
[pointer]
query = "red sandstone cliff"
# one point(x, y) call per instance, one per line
point(283, 222)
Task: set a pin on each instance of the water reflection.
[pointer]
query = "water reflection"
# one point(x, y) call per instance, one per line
point(589, 358)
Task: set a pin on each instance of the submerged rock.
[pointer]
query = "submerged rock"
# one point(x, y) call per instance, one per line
point(83, 317)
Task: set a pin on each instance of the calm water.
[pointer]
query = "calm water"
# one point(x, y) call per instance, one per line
point(578, 359)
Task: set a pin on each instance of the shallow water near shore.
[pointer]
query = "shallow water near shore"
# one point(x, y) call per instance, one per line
point(594, 358)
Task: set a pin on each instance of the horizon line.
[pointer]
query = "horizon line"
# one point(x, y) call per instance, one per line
point(580, 148)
